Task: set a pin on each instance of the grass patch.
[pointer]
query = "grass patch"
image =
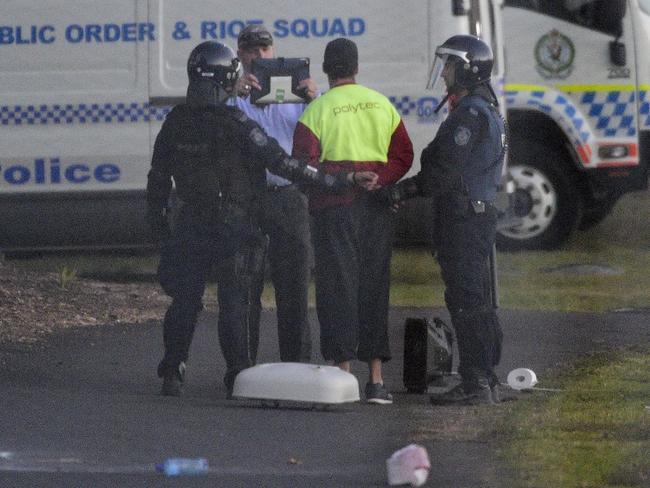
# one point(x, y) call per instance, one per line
point(594, 433)
point(527, 280)
point(535, 280)
point(524, 280)
point(119, 266)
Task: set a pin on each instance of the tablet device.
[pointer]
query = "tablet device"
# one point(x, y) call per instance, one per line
point(279, 78)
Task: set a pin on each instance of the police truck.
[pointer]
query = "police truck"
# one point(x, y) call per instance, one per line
point(578, 74)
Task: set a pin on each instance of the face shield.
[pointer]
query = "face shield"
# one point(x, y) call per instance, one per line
point(439, 77)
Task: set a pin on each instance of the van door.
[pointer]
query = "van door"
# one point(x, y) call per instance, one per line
point(74, 116)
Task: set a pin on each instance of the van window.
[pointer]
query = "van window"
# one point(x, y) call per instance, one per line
point(601, 15)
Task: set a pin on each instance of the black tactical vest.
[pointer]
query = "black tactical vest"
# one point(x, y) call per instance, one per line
point(209, 164)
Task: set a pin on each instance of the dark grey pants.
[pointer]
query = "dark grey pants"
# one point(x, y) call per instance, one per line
point(285, 219)
point(353, 249)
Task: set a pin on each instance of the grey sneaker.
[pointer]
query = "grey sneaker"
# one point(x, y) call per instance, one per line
point(466, 394)
point(173, 382)
point(378, 393)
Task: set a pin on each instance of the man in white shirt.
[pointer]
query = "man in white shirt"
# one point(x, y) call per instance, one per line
point(285, 216)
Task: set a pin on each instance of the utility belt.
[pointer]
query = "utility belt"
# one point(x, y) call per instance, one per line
point(214, 212)
point(457, 204)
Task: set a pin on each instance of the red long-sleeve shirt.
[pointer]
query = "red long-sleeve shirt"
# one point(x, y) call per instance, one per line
point(341, 127)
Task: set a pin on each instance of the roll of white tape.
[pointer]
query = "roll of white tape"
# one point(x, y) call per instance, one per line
point(522, 379)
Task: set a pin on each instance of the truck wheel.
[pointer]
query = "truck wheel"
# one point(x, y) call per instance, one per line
point(547, 203)
point(596, 212)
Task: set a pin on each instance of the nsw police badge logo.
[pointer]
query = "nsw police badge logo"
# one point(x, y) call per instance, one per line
point(554, 53)
point(462, 135)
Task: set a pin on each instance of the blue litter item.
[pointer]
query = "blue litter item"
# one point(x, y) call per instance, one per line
point(183, 467)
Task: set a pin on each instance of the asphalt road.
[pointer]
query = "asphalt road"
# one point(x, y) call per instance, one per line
point(85, 411)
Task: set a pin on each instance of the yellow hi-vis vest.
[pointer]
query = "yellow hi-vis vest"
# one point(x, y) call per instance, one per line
point(352, 123)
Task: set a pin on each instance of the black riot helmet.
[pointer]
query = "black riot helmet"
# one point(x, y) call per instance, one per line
point(213, 70)
point(468, 61)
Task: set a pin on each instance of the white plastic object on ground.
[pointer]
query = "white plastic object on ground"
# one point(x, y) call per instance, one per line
point(410, 465)
point(522, 379)
point(297, 382)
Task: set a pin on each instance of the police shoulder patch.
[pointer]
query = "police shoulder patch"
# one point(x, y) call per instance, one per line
point(462, 135)
point(258, 137)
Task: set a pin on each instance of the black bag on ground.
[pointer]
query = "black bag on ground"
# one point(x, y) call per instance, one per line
point(428, 353)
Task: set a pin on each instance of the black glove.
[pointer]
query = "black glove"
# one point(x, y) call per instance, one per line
point(158, 224)
point(393, 195)
point(389, 196)
point(336, 183)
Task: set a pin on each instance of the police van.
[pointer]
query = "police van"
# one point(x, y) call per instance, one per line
point(578, 74)
point(85, 86)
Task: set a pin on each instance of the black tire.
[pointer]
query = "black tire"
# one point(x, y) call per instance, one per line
point(546, 200)
point(596, 212)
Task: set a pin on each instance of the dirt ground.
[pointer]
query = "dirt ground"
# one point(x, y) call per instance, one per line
point(34, 304)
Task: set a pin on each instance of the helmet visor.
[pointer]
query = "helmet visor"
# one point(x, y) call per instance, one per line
point(435, 81)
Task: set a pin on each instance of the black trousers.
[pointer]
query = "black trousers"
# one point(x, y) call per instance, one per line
point(195, 250)
point(353, 249)
point(463, 253)
point(285, 219)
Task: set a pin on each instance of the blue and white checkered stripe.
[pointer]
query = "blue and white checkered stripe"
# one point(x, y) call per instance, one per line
point(588, 114)
point(404, 105)
point(83, 113)
point(420, 107)
point(644, 110)
point(609, 113)
point(559, 107)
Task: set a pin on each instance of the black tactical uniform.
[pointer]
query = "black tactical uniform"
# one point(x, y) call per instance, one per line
point(468, 154)
point(217, 158)
point(461, 169)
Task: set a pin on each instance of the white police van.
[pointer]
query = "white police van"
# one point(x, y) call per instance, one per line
point(578, 75)
point(85, 86)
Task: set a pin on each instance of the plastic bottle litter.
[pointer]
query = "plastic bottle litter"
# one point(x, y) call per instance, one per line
point(183, 467)
point(410, 465)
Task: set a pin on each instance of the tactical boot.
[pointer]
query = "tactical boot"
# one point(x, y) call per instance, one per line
point(477, 392)
point(173, 381)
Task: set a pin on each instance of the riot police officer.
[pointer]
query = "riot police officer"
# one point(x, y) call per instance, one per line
point(216, 157)
point(461, 169)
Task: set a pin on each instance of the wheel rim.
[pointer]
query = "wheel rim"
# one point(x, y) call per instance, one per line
point(535, 202)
